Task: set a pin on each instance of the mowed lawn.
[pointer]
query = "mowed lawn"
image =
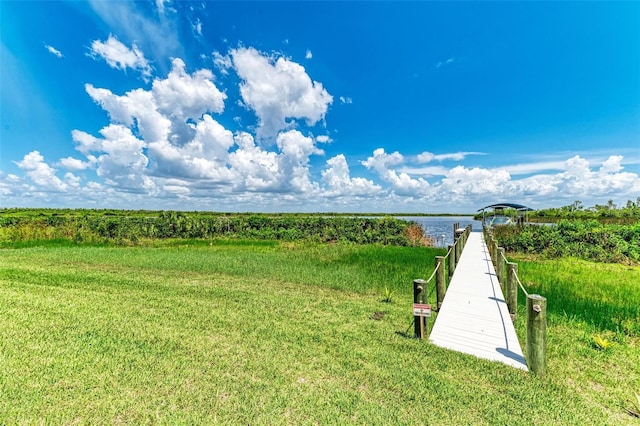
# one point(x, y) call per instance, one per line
point(264, 333)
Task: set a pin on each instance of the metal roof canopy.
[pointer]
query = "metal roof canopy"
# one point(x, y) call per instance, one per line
point(518, 207)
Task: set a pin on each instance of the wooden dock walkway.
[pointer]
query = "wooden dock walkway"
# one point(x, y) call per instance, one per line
point(474, 318)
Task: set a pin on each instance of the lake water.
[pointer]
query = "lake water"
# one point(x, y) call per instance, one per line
point(440, 228)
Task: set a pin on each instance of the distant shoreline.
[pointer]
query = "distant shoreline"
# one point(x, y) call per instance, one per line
point(5, 210)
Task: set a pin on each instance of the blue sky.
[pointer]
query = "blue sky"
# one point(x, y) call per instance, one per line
point(318, 106)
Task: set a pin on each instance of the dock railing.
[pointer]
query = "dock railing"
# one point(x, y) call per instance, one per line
point(536, 306)
point(507, 275)
point(445, 267)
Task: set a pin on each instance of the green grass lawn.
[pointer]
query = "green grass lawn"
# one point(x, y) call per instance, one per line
point(270, 333)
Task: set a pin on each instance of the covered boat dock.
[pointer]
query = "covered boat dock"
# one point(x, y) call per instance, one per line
point(520, 216)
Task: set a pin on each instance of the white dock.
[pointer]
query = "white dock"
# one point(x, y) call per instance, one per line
point(474, 318)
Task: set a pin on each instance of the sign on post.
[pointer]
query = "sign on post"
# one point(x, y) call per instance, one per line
point(421, 310)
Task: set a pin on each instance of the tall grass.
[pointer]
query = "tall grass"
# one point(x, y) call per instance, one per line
point(606, 296)
point(140, 227)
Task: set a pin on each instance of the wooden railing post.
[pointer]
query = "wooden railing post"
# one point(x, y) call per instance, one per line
point(512, 289)
point(491, 247)
point(537, 334)
point(500, 267)
point(441, 285)
point(460, 241)
point(452, 261)
point(419, 296)
point(487, 242)
point(455, 251)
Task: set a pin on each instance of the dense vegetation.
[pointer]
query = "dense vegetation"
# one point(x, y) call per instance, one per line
point(604, 213)
point(136, 227)
point(589, 240)
point(265, 332)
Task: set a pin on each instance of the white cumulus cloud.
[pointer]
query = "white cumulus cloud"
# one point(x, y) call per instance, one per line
point(401, 183)
point(119, 56)
point(278, 89)
point(190, 94)
point(119, 157)
point(74, 164)
point(612, 164)
point(41, 173)
point(203, 157)
point(462, 182)
point(578, 178)
point(339, 182)
point(257, 169)
point(295, 151)
point(169, 108)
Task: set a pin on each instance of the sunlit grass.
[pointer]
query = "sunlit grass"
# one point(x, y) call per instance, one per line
point(267, 333)
point(606, 296)
point(593, 334)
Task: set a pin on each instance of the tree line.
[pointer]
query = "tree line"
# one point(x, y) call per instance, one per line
point(606, 213)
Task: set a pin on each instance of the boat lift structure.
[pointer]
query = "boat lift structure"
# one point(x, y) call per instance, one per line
point(498, 209)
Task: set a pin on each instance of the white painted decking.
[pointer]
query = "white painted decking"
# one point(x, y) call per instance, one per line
point(474, 318)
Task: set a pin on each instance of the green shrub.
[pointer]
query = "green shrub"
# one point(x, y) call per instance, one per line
point(589, 240)
point(130, 227)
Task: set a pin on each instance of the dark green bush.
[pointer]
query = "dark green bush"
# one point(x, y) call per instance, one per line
point(590, 240)
point(130, 227)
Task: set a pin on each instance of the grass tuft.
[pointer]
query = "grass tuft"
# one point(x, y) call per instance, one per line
point(633, 409)
point(602, 343)
point(388, 295)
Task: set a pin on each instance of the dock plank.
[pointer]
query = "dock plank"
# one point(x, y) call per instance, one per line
point(474, 318)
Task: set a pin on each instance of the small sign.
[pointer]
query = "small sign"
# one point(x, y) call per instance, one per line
point(421, 310)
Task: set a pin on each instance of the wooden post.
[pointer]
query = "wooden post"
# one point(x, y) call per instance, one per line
point(500, 267)
point(494, 251)
point(441, 285)
point(512, 289)
point(537, 334)
point(487, 242)
point(455, 252)
point(452, 261)
point(490, 247)
point(419, 296)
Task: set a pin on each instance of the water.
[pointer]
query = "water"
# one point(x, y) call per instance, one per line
point(440, 228)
